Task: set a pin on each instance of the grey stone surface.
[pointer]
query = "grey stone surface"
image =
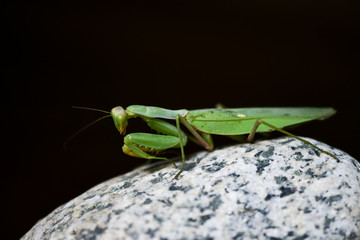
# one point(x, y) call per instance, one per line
point(278, 189)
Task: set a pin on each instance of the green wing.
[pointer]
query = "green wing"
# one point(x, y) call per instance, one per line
point(237, 121)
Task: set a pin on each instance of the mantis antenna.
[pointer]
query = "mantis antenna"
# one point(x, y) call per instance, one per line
point(91, 109)
point(88, 125)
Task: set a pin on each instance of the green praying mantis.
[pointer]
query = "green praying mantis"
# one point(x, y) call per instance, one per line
point(202, 124)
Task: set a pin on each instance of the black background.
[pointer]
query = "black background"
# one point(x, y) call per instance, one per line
point(183, 54)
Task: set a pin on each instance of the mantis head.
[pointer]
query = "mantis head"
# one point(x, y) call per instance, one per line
point(120, 119)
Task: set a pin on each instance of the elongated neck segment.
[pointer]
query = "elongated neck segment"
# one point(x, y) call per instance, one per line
point(154, 112)
point(120, 119)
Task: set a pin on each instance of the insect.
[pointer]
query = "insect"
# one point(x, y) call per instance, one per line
point(202, 124)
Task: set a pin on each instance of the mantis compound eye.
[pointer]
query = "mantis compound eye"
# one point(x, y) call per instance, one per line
point(120, 119)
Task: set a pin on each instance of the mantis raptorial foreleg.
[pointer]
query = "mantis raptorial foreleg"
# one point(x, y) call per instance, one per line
point(166, 128)
point(145, 145)
point(134, 147)
point(259, 121)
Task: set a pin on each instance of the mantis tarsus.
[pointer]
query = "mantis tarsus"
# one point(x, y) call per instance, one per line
point(201, 124)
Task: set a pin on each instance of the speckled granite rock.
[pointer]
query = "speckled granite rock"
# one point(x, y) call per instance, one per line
point(279, 189)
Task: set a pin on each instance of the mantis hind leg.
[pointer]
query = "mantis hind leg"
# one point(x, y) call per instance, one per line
point(259, 121)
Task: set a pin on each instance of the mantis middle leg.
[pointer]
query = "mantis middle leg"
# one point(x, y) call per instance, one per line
point(204, 139)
